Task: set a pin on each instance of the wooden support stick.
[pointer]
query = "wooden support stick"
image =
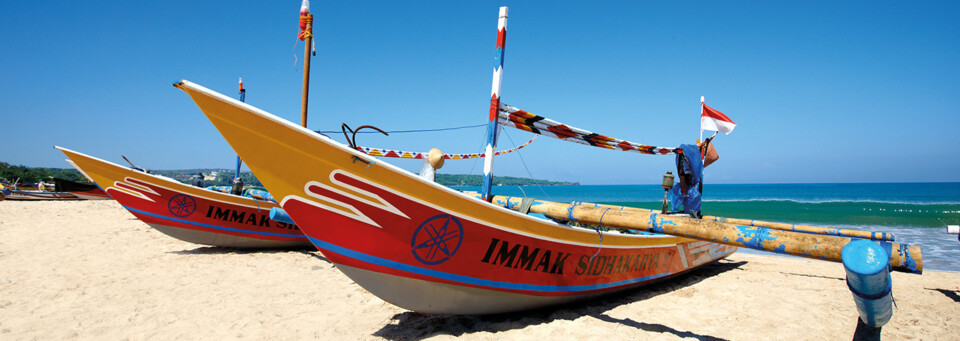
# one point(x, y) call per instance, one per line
point(308, 43)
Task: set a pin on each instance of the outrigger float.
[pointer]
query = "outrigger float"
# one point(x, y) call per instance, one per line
point(428, 248)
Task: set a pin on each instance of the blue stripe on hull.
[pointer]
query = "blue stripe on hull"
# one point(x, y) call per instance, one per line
point(215, 227)
point(472, 280)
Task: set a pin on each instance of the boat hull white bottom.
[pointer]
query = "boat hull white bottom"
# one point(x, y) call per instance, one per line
point(224, 240)
point(90, 197)
point(442, 298)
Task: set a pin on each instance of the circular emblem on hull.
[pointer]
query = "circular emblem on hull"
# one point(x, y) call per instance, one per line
point(437, 239)
point(182, 205)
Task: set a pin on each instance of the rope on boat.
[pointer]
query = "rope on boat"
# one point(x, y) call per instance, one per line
point(306, 31)
point(599, 235)
point(256, 202)
point(306, 19)
point(420, 155)
point(352, 138)
point(524, 163)
point(406, 131)
point(573, 205)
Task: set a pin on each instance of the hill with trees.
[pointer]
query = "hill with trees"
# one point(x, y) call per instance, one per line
point(477, 180)
point(10, 173)
point(224, 177)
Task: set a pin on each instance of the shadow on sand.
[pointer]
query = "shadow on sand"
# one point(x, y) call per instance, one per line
point(951, 294)
point(865, 332)
point(414, 326)
point(813, 276)
point(216, 250)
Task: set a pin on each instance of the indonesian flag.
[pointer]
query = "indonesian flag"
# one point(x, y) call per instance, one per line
point(711, 119)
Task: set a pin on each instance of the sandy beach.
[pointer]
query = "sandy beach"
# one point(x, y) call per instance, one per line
point(91, 270)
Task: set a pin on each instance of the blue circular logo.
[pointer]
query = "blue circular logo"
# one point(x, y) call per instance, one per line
point(437, 239)
point(182, 205)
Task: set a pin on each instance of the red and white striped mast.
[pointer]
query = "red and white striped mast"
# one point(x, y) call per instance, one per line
point(492, 127)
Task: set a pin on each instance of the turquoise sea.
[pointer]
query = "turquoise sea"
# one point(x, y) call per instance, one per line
point(916, 212)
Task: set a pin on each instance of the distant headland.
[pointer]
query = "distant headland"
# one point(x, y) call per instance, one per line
point(219, 176)
point(477, 180)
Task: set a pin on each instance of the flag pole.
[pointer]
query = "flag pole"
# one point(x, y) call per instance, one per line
point(306, 34)
point(243, 98)
point(494, 106)
point(701, 121)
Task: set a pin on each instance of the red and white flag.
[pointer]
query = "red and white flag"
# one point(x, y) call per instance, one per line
point(711, 119)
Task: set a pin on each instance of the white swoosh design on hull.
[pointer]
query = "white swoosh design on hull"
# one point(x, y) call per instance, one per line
point(356, 215)
point(384, 205)
point(133, 189)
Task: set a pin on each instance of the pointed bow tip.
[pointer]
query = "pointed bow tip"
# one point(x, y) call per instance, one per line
point(179, 83)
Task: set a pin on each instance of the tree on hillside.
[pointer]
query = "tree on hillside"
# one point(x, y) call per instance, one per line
point(12, 173)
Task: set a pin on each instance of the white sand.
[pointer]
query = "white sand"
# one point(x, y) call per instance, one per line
point(91, 270)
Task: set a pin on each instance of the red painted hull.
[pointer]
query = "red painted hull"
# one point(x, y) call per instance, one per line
point(188, 213)
point(192, 217)
point(506, 270)
point(428, 248)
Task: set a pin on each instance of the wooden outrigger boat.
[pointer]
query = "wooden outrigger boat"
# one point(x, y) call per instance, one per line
point(64, 190)
point(16, 194)
point(188, 213)
point(83, 191)
point(21, 186)
point(428, 248)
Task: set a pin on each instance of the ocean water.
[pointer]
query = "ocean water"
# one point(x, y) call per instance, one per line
point(917, 213)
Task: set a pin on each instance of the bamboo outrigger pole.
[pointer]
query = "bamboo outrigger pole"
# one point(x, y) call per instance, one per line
point(903, 257)
point(306, 34)
point(878, 236)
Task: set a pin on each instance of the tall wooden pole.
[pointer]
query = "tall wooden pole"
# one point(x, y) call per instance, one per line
point(306, 34)
point(494, 105)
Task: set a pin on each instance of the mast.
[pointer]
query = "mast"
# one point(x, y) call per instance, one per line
point(701, 121)
point(492, 127)
point(243, 98)
point(306, 34)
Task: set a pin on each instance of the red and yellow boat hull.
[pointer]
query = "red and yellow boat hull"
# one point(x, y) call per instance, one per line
point(188, 213)
point(428, 248)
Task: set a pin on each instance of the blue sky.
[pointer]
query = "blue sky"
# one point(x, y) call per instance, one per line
point(821, 91)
